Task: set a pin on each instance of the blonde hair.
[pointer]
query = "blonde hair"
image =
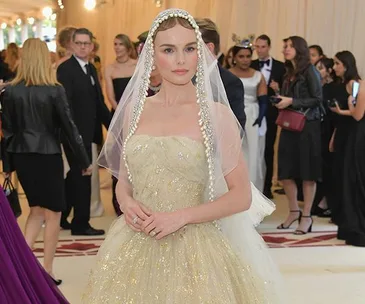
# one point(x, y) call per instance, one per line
point(96, 46)
point(35, 67)
point(64, 36)
point(12, 56)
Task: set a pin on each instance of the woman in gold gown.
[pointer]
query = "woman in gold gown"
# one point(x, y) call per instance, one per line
point(183, 186)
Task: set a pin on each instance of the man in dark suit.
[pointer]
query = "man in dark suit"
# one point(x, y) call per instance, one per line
point(89, 111)
point(273, 71)
point(232, 84)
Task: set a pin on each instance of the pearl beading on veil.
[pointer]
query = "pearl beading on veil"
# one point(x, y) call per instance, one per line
point(204, 115)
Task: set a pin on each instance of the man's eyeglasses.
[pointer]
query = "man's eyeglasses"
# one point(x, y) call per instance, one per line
point(79, 43)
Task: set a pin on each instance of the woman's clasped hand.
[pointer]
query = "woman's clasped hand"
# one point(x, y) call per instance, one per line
point(155, 224)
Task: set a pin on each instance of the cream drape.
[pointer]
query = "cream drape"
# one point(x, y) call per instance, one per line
point(334, 24)
point(131, 17)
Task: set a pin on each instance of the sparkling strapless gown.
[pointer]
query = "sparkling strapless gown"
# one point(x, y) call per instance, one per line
point(194, 265)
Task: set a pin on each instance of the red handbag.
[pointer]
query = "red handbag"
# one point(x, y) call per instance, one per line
point(291, 120)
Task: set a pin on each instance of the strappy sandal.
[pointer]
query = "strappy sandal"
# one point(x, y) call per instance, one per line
point(301, 232)
point(281, 226)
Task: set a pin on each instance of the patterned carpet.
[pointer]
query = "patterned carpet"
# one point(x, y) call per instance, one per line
point(72, 247)
point(90, 246)
point(314, 239)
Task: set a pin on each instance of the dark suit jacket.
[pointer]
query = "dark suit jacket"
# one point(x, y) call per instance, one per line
point(277, 74)
point(235, 93)
point(86, 101)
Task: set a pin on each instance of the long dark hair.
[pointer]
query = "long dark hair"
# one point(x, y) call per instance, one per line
point(328, 64)
point(302, 59)
point(349, 62)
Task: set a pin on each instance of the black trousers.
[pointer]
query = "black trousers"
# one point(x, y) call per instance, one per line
point(78, 191)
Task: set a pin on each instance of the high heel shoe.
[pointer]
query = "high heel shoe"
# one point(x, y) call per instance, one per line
point(301, 232)
point(57, 282)
point(281, 226)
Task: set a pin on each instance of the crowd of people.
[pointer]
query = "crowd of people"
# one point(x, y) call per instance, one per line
point(53, 111)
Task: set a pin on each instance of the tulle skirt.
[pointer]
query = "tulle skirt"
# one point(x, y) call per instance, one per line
point(194, 265)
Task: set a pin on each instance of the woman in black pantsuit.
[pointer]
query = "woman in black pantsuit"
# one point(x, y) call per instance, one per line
point(299, 155)
point(35, 110)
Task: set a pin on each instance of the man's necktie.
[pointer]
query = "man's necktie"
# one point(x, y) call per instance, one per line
point(262, 63)
point(88, 70)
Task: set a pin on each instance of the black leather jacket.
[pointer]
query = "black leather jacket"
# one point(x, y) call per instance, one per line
point(306, 91)
point(32, 118)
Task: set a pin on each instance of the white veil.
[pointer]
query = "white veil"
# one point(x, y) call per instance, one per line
point(223, 140)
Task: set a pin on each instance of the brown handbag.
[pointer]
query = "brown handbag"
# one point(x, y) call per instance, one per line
point(291, 120)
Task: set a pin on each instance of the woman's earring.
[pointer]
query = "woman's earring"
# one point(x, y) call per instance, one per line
point(234, 62)
point(153, 68)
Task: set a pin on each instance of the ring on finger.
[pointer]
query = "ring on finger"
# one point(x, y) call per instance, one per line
point(135, 220)
point(152, 233)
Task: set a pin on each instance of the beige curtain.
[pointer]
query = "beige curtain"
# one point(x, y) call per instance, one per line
point(334, 24)
point(131, 17)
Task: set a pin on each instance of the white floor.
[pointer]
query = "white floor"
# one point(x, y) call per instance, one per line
point(333, 275)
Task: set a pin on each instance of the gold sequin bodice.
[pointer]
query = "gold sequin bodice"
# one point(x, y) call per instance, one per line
point(168, 173)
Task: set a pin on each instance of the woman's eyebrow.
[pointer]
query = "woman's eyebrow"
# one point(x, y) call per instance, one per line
point(172, 45)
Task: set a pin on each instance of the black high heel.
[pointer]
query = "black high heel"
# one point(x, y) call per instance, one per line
point(281, 226)
point(301, 232)
point(57, 282)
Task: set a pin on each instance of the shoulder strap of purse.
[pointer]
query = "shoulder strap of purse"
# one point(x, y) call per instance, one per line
point(306, 111)
point(8, 184)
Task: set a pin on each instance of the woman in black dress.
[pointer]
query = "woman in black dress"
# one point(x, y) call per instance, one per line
point(329, 82)
point(299, 155)
point(118, 74)
point(117, 77)
point(346, 70)
point(35, 110)
point(353, 225)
